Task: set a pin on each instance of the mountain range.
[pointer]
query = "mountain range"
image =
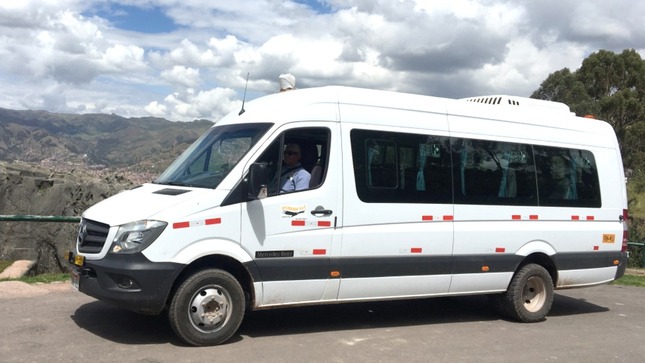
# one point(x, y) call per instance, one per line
point(61, 164)
point(94, 141)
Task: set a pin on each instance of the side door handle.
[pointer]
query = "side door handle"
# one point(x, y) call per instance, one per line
point(321, 211)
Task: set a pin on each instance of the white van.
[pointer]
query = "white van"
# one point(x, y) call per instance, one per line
point(407, 196)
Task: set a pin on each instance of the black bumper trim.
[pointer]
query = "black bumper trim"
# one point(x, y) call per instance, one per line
point(292, 269)
point(623, 265)
point(131, 282)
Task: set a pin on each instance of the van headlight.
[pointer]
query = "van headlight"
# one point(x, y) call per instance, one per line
point(136, 236)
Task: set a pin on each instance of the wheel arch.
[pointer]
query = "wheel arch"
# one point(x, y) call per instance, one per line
point(544, 260)
point(539, 252)
point(223, 262)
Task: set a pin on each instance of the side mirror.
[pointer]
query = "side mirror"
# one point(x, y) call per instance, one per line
point(258, 180)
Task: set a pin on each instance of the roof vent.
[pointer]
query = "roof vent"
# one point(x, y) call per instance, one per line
point(518, 102)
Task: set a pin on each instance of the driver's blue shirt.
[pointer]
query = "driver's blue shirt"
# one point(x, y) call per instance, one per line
point(294, 179)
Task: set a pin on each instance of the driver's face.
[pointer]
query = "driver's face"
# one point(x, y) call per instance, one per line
point(291, 155)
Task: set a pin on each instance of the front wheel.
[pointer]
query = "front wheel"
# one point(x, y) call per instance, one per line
point(207, 308)
point(529, 296)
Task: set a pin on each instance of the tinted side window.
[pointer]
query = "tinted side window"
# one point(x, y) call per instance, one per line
point(393, 167)
point(567, 177)
point(491, 172)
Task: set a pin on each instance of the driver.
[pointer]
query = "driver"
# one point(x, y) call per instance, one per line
point(294, 177)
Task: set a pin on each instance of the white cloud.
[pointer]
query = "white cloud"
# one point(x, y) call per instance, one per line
point(596, 22)
point(156, 109)
point(124, 58)
point(187, 77)
point(51, 98)
point(60, 59)
point(190, 104)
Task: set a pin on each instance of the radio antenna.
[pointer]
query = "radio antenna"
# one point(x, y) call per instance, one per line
point(244, 98)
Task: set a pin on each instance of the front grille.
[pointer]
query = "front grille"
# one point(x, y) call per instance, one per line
point(91, 236)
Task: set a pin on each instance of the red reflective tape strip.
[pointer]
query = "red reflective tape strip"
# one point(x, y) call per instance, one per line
point(516, 216)
point(448, 218)
point(596, 248)
point(427, 218)
point(213, 221)
point(324, 224)
point(181, 225)
point(500, 250)
point(577, 218)
point(533, 217)
point(416, 250)
point(298, 223)
point(320, 252)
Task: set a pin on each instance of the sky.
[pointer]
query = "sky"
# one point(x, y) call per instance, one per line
point(189, 59)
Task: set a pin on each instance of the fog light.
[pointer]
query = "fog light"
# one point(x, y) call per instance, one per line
point(125, 283)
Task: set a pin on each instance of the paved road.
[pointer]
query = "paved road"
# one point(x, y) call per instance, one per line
point(52, 323)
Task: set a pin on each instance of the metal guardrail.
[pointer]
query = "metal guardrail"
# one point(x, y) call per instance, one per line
point(31, 218)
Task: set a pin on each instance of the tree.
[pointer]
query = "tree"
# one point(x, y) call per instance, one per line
point(563, 86)
point(611, 87)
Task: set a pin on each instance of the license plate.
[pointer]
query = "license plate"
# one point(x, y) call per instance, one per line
point(76, 279)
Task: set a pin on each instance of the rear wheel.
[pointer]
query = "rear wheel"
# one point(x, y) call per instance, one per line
point(207, 308)
point(529, 296)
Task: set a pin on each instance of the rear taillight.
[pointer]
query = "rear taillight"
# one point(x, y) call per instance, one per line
point(625, 230)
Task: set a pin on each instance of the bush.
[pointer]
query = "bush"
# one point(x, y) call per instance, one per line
point(635, 256)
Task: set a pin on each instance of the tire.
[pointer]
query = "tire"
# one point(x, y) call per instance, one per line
point(529, 296)
point(207, 308)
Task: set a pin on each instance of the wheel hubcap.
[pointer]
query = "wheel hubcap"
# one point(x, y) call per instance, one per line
point(209, 308)
point(534, 294)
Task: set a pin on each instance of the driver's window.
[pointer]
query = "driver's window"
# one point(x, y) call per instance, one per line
point(297, 160)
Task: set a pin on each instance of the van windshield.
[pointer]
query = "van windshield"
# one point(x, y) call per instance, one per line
point(210, 158)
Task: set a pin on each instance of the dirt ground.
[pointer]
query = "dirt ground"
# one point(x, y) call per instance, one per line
point(635, 271)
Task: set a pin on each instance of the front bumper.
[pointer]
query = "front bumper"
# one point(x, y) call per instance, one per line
point(128, 281)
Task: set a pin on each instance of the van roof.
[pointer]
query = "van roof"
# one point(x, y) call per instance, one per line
point(326, 103)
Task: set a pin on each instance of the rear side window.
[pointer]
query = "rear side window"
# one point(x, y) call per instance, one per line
point(567, 177)
point(492, 172)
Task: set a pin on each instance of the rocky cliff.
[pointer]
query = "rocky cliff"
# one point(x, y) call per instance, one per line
point(59, 165)
point(30, 190)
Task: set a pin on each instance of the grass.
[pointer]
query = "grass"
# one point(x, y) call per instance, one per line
point(44, 278)
point(38, 279)
point(4, 264)
point(631, 279)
